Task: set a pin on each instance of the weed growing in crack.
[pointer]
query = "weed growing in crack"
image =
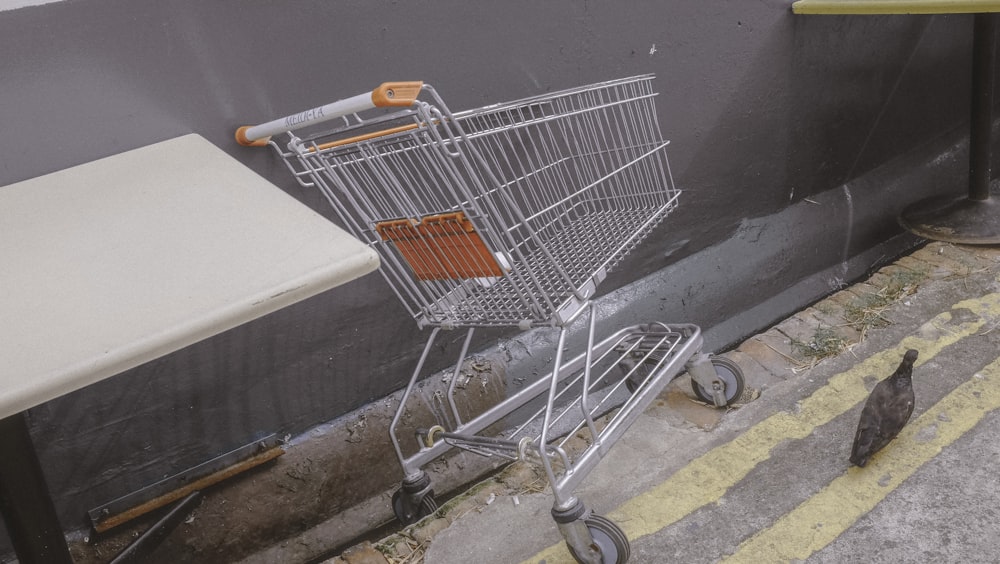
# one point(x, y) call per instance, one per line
point(825, 342)
point(868, 310)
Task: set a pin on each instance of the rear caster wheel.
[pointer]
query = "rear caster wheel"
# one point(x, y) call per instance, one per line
point(611, 541)
point(408, 512)
point(732, 378)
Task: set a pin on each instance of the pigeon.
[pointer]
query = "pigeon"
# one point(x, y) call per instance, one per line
point(886, 412)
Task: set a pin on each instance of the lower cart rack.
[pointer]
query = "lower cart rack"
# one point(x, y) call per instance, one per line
point(596, 396)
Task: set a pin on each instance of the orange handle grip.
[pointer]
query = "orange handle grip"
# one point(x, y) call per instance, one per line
point(401, 94)
point(242, 139)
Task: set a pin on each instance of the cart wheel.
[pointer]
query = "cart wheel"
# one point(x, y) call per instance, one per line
point(609, 538)
point(732, 378)
point(426, 507)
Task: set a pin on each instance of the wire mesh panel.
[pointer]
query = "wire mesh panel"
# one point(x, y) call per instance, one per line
point(509, 214)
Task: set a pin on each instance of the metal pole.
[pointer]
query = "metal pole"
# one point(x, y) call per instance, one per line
point(972, 219)
point(25, 501)
point(983, 59)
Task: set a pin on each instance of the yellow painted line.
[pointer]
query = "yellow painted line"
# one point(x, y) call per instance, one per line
point(825, 516)
point(873, 7)
point(707, 478)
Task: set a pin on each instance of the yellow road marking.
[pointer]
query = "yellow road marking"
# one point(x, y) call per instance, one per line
point(706, 479)
point(825, 516)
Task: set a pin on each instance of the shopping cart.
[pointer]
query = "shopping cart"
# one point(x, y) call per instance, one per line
point(511, 215)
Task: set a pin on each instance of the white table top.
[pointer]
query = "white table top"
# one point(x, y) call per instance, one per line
point(116, 262)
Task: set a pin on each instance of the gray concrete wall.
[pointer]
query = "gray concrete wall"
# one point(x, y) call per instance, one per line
point(765, 110)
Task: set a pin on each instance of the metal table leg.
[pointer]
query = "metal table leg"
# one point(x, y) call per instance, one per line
point(974, 219)
point(25, 501)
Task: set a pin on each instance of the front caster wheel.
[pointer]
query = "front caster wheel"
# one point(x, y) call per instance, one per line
point(731, 376)
point(611, 541)
point(408, 512)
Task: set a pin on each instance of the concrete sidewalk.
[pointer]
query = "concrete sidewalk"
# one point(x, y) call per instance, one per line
point(686, 476)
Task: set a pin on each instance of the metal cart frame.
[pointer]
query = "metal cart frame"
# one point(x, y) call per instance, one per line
point(511, 215)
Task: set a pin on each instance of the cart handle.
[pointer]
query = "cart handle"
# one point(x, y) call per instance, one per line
point(388, 94)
